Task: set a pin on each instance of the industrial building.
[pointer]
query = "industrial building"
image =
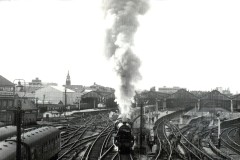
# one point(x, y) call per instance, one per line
point(8, 104)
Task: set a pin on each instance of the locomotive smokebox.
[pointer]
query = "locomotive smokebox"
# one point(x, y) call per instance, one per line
point(124, 118)
point(123, 138)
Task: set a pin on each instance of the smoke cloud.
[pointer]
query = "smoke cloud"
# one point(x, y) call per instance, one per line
point(122, 23)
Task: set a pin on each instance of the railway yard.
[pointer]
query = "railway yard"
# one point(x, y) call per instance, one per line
point(184, 134)
point(150, 80)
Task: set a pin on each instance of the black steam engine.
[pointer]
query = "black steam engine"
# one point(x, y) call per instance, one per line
point(124, 139)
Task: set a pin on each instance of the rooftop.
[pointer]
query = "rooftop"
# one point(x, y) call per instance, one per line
point(62, 89)
point(5, 83)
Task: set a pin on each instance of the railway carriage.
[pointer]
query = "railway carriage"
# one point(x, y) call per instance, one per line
point(7, 131)
point(39, 144)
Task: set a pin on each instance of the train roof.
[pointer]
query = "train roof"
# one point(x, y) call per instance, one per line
point(7, 131)
point(7, 150)
point(33, 137)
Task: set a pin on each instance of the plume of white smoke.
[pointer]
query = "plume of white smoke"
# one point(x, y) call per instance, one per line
point(122, 23)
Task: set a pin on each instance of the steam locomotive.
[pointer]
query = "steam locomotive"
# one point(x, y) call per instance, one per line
point(124, 139)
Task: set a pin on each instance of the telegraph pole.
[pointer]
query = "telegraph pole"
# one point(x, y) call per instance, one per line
point(141, 123)
point(18, 123)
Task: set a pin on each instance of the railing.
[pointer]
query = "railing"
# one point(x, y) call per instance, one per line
point(6, 93)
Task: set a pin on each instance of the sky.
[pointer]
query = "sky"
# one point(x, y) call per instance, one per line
point(185, 43)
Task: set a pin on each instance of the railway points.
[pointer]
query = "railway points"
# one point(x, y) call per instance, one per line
point(175, 134)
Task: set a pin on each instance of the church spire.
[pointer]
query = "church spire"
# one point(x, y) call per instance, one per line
point(68, 80)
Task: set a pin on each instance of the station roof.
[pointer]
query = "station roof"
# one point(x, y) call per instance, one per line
point(91, 94)
point(96, 94)
point(62, 89)
point(5, 83)
point(182, 94)
point(236, 97)
point(76, 88)
point(215, 94)
point(152, 94)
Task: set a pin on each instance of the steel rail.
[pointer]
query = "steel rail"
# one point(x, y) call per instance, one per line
point(95, 141)
point(185, 147)
point(106, 140)
point(193, 146)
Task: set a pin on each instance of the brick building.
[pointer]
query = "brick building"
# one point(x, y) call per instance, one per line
point(7, 104)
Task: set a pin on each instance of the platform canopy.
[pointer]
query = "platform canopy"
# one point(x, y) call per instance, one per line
point(236, 97)
point(96, 94)
point(152, 94)
point(215, 95)
point(182, 94)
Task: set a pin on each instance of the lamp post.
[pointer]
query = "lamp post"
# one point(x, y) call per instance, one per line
point(18, 117)
point(79, 103)
point(219, 130)
point(156, 108)
point(43, 100)
point(37, 106)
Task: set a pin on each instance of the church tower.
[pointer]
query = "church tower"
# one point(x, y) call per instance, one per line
point(68, 80)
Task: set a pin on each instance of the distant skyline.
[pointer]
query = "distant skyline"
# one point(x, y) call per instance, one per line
point(156, 87)
point(186, 43)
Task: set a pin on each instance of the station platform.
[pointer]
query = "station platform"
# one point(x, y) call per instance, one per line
point(84, 111)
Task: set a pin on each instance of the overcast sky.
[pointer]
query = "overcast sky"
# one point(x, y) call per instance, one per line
point(187, 43)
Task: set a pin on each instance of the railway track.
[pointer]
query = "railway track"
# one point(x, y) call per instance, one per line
point(228, 141)
point(96, 148)
point(118, 156)
point(78, 147)
point(100, 146)
point(79, 134)
point(193, 151)
point(235, 135)
point(165, 150)
point(222, 155)
point(107, 150)
point(185, 144)
point(71, 136)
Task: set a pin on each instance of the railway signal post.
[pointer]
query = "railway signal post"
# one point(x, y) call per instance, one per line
point(18, 114)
